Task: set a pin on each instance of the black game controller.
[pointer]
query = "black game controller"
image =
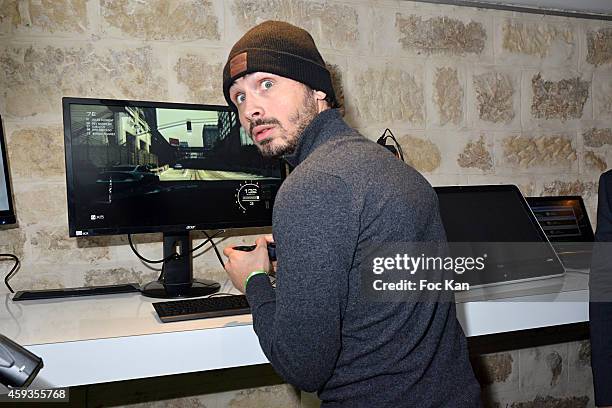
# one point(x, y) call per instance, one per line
point(249, 248)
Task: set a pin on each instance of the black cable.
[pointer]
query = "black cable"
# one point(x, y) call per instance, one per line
point(399, 146)
point(215, 248)
point(174, 255)
point(142, 258)
point(160, 278)
point(12, 271)
point(381, 140)
point(208, 239)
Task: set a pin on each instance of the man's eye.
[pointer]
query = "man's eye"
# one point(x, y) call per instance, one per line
point(266, 84)
point(240, 98)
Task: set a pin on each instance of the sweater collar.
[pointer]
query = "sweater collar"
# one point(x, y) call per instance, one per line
point(317, 132)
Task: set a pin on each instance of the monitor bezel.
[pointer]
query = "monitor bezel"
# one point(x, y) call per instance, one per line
point(589, 236)
point(487, 188)
point(7, 217)
point(70, 181)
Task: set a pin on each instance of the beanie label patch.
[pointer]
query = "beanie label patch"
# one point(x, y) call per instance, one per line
point(238, 64)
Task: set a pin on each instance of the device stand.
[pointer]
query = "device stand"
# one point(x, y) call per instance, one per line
point(177, 277)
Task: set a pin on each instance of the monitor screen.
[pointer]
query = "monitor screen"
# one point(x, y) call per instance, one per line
point(496, 220)
point(7, 213)
point(563, 218)
point(136, 167)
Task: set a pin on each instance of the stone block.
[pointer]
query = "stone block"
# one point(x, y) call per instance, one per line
point(440, 35)
point(564, 99)
point(115, 275)
point(51, 245)
point(13, 241)
point(35, 277)
point(494, 93)
point(568, 186)
point(197, 75)
point(599, 46)
point(443, 34)
point(9, 17)
point(595, 149)
point(446, 95)
point(602, 96)
point(332, 25)
point(36, 153)
point(553, 402)
point(48, 17)
point(494, 98)
point(535, 41)
point(196, 401)
point(186, 20)
point(497, 372)
point(543, 152)
point(544, 370)
point(34, 78)
point(580, 374)
point(422, 154)
point(585, 185)
point(41, 203)
point(597, 137)
point(385, 93)
point(276, 396)
point(462, 152)
point(45, 275)
point(594, 161)
point(476, 154)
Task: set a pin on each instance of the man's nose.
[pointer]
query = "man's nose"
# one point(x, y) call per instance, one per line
point(254, 109)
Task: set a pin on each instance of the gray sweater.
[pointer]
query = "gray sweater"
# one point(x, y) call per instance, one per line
point(317, 329)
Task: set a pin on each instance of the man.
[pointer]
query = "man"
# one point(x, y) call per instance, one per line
point(316, 328)
point(600, 307)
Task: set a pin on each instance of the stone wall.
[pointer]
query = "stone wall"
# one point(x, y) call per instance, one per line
point(557, 375)
point(473, 95)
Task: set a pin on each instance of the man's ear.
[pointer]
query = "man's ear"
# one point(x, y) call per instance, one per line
point(320, 95)
point(321, 102)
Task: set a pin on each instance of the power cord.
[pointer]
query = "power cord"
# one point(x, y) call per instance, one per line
point(142, 258)
point(215, 247)
point(12, 271)
point(175, 255)
point(397, 149)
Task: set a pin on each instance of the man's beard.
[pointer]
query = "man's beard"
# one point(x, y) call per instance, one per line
point(301, 118)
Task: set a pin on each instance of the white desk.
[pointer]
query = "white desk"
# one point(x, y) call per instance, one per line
point(100, 339)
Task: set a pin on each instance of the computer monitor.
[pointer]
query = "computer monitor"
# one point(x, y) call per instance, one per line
point(7, 211)
point(138, 167)
point(496, 220)
point(563, 218)
point(566, 223)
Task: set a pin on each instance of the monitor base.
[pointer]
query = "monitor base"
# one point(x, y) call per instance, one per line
point(201, 287)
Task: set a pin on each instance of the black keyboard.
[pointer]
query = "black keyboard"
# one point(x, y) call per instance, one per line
point(76, 292)
point(202, 308)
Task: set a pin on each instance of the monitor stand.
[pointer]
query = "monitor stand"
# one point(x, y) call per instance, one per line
point(177, 280)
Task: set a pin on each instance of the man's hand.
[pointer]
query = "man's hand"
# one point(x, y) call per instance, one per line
point(241, 264)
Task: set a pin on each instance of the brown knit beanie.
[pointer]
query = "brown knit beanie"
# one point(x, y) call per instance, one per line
point(278, 48)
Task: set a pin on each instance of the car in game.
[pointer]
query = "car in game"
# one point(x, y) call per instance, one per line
point(131, 179)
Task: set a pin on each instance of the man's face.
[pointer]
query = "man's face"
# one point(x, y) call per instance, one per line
point(274, 110)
